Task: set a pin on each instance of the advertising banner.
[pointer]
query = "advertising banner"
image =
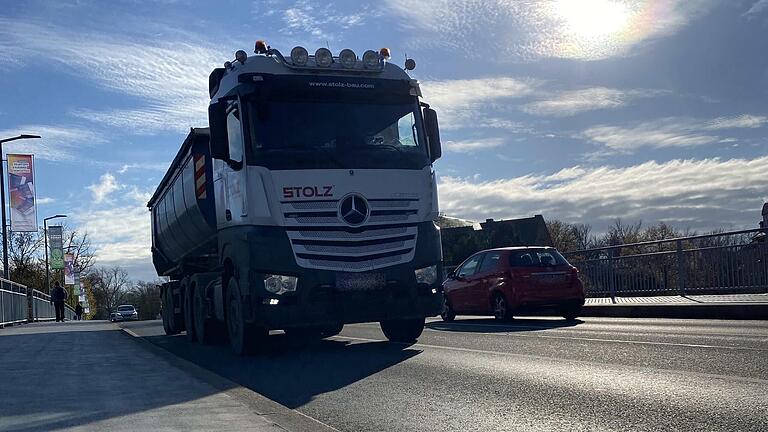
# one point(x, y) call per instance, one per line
point(56, 242)
point(21, 188)
point(69, 269)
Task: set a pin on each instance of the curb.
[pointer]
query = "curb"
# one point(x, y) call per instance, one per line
point(690, 311)
point(284, 417)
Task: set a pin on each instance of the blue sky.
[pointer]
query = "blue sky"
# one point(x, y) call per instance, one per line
point(584, 111)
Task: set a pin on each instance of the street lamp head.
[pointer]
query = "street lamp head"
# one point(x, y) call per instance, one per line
point(26, 136)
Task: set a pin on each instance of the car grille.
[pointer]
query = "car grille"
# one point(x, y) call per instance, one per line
point(320, 239)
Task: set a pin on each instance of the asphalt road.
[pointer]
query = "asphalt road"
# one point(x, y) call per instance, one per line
point(534, 374)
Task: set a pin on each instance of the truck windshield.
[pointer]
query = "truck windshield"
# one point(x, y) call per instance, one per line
point(348, 134)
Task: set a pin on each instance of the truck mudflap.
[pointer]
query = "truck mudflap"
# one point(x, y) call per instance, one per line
point(345, 308)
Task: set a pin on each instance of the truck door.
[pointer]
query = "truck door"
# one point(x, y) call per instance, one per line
point(235, 203)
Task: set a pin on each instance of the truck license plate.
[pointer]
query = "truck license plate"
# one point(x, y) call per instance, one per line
point(360, 281)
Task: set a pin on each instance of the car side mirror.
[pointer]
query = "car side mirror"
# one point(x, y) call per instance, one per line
point(217, 123)
point(433, 134)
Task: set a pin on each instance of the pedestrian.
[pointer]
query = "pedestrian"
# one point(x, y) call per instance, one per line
point(58, 296)
point(79, 311)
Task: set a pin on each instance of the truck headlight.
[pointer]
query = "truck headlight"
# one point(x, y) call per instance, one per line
point(280, 284)
point(426, 275)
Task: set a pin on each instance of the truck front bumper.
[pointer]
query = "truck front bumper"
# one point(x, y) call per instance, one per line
point(344, 308)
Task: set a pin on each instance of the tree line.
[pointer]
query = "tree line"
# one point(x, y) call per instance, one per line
point(104, 287)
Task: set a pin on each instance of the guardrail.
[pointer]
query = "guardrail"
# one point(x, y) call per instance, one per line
point(724, 263)
point(13, 302)
point(20, 304)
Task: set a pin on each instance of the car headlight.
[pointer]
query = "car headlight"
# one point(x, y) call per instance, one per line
point(426, 275)
point(280, 284)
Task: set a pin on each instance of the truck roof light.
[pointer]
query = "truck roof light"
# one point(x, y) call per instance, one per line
point(323, 57)
point(241, 56)
point(371, 59)
point(261, 47)
point(385, 53)
point(347, 58)
point(410, 64)
point(299, 56)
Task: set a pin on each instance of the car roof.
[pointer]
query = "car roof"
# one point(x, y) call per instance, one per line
point(511, 248)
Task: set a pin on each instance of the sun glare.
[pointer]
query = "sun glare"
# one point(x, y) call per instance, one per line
point(591, 18)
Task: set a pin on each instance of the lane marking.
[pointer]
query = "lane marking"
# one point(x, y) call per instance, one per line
point(625, 341)
point(557, 359)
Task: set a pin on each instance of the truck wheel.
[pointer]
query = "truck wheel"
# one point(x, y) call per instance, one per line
point(207, 329)
point(407, 330)
point(169, 324)
point(243, 336)
point(189, 317)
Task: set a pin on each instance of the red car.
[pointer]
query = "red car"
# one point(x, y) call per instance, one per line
point(505, 281)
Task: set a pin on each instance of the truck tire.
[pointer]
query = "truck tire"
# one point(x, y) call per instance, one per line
point(406, 330)
point(244, 337)
point(169, 324)
point(207, 330)
point(189, 317)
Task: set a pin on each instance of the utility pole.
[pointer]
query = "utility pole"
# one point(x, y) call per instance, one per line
point(2, 198)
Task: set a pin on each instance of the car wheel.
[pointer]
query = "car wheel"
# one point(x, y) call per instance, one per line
point(501, 310)
point(244, 337)
point(405, 330)
point(447, 313)
point(571, 312)
point(189, 313)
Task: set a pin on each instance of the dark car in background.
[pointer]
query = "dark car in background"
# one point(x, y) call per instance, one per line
point(506, 281)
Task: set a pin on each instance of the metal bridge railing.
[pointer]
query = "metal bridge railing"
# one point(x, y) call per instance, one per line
point(725, 263)
point(20, 304)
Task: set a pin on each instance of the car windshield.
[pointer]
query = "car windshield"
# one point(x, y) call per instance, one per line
point(125, 308)
point(536, 258)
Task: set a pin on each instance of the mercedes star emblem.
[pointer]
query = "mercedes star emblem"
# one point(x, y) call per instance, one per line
point(354, 209)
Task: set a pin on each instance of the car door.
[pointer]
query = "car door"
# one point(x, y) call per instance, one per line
point(457, 287)
point(485, 279)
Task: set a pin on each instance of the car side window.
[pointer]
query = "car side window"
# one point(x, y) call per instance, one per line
point(523, 259)
point(470, 267)
point(490, 262)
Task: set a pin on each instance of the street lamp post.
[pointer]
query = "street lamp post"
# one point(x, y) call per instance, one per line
point(2, 198)
point(45, 235)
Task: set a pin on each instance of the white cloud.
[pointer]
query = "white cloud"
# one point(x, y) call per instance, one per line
point(757, 8)
point(319, 20)
point(106, 185)
point(45, 200)
point(505, 31)
point(668, 132)
point(471, 146)
point(169, 76)
point(58, 143)
point(466, 102)
point(572, 102)
point(701, 194)
point(741, 121)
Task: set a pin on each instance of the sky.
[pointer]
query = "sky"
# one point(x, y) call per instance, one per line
point(584, 111)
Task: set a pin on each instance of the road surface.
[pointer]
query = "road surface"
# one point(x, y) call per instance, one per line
point(533, 374)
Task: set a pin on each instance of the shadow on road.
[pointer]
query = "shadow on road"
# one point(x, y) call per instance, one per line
point(290, 372)
point(490, 325)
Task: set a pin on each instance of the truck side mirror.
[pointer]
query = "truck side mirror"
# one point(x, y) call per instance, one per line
point(433, 134)
point(217, 123)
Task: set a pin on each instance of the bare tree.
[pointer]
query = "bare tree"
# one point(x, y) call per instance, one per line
point(109, 287)
point(24, 250)
point(145, 296)
point(79, 245)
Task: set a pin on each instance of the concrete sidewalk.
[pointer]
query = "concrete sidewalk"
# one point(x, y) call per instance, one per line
point(724, 306)
point(90, 375)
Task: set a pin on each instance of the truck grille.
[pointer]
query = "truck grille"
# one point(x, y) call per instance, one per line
point(322, 240)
